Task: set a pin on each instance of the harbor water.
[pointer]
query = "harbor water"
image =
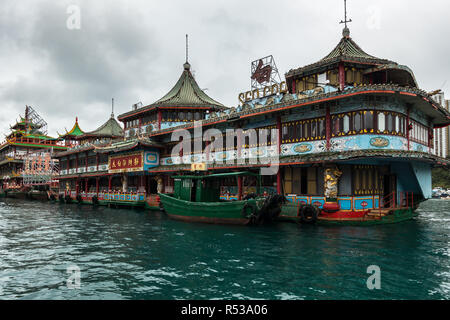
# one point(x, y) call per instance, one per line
point(136, 254)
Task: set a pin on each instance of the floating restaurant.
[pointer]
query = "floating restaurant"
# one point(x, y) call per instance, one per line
point(351, 134)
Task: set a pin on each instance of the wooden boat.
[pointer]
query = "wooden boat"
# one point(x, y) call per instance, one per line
point(393, 213)
point(197, 199)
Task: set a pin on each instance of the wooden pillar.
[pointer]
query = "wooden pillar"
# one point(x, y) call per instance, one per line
point(86, 185)
point(96, 160)
point(328, 127)
point(109, 183)
point(97, 185)
point(76, 164)
point(86, 160)
point(239, 188)
point(294, 87)
point(68, 164)
point(77, 187)
point(341, 76)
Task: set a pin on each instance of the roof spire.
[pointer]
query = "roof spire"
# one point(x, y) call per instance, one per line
point(112, 109)
point(346, 31)
point(186, 65)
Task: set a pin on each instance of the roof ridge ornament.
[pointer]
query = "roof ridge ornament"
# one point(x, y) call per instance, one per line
point(186, 65)
point(346, 31)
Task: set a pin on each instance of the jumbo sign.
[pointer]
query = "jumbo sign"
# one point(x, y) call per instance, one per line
point(263, 92)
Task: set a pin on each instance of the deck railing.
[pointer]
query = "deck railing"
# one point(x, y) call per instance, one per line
point(393, 200)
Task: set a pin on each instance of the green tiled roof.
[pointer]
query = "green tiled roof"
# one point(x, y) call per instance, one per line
point(76, 131)
point(186, 92)
point(346, 49)
point(110, 129)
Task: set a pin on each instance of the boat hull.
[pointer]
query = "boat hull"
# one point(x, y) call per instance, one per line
point(290, 212)
point(232, 212)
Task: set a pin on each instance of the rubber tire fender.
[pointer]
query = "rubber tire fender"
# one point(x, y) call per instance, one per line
point(309, 214)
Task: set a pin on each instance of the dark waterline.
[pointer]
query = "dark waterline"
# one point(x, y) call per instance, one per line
point(131, 254)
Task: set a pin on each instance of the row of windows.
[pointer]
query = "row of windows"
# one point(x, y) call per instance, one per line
point(305, 130)
point(171, 116)
point(368, 121)
point(419, 133)
point(367, 180)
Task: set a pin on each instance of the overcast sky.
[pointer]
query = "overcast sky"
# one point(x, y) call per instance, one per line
point(134, 50)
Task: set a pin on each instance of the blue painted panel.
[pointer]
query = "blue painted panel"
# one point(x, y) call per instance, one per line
point(363, 204)
point(345, 204)
point(151, 159)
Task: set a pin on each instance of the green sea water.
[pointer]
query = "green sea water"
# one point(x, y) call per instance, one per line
point(132, 254)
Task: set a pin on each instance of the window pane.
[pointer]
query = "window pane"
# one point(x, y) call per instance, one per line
point(346, 124)
point(357, 125)
point(368, 120)
point(381, 122)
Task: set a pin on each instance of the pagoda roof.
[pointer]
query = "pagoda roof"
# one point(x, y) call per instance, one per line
point(75, 132)
point(185, 94)
point(346, 50)
point(110, 129)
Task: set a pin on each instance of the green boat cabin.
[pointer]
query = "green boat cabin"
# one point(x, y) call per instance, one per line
point(206, 188)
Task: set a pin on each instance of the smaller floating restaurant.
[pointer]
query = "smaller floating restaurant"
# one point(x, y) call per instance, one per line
point(354, 130)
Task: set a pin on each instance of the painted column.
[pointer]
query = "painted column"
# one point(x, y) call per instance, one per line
point(207, 149)
point(159, 119)
point(97, 185)
point(77, 187)
point(239, 188)
point(294, 87)
point(109, 183)
point(239, 143)
point(124, 182)
point(408, 127)
point(86, 161)
point(76, 164)
point(86, 185)
point(328, 127)
point(341, 76)
point(68, 164)
point(96, 160)
point(279, 152)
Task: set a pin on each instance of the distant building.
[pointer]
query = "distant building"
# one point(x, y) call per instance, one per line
point(441, 141)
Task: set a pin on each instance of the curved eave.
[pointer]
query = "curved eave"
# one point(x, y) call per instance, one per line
point(324, 65)
point(395, 69)
point(162, 106)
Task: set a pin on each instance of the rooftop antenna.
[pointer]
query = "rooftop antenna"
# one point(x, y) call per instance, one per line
point(346, 31)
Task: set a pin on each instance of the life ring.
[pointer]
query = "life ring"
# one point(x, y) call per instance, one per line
point(309, 214)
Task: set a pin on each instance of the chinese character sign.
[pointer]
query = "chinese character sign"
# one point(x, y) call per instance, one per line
point(126, 163)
